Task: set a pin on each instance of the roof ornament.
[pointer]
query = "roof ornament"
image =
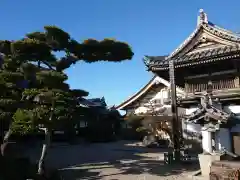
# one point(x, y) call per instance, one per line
point(202, 18)
point(146, 60)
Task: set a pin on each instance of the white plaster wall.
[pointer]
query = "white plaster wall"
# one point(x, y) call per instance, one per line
point(165, 94)
point(157, 100)
point(166, 109)
point(141, 110)
point(161, 95)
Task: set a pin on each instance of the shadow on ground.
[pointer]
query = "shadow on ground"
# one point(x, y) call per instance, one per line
point(156, 168)
point(100, 161)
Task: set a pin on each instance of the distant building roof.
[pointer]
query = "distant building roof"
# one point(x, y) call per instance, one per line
point(94, 102)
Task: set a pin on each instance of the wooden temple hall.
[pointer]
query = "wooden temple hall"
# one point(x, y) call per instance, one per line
point(207, 67)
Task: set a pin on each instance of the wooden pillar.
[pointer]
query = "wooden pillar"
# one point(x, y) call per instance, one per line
point(175, 123)
point(186, 87)
point(236, 79)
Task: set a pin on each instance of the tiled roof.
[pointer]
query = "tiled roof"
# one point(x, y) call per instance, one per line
point(194, 58)
point(96, 102)
point(151, 60)
point(232, 47)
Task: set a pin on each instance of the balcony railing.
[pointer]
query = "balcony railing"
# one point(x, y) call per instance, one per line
point(216, 85)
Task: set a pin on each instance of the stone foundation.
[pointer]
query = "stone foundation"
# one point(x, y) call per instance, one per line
point(205, 161)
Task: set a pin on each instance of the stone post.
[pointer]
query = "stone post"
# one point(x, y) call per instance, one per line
point(207, 141)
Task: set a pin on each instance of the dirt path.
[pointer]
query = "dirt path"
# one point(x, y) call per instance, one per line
point(114, 161)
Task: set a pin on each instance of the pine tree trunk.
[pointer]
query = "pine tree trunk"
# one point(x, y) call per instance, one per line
point(1, 157)
point(1, 141)
point(41, 166)
point(41, 163)
point(5, 141)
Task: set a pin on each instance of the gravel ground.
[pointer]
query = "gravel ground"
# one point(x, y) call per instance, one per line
point(121, 160)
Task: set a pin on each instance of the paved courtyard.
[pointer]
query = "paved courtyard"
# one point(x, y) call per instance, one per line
point(121, 160)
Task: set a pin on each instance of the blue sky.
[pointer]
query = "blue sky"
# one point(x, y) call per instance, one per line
point(153, 27)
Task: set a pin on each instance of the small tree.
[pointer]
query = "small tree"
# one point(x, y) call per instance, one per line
point(154, 121)
point(158, 120)
point(47, 98)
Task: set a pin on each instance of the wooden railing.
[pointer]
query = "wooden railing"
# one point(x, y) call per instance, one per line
point(222, 84)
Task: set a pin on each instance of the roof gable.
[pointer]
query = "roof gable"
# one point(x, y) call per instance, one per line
point(203, 44)
point(206, 35)
point(145, 89)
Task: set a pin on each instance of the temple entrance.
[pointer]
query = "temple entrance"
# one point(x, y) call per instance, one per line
point(236, 142)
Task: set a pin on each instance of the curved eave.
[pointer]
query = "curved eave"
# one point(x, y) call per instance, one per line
point(192, 63)
point(145, 89)
point(137, 95)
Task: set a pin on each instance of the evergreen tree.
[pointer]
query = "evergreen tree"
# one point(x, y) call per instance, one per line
point(37, 94)
point(12, 84)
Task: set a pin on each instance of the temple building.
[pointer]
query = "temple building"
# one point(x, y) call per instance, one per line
point(207, 68)
point(151, 98)
point(154, 100)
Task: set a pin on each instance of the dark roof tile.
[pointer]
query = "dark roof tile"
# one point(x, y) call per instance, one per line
point(203, 55)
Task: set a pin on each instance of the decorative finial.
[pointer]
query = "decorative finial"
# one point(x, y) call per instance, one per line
point(202, 18)
point(146, 60)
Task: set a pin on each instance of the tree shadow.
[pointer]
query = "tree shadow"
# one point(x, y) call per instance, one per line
point(108, 160)
point(155, 167)
point(122, 161)
point(152, 167)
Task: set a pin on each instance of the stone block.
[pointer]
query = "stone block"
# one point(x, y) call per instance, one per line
point(205, 161)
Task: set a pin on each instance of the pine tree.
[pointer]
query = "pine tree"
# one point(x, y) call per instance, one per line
point(12, 84)
point(36, 85)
